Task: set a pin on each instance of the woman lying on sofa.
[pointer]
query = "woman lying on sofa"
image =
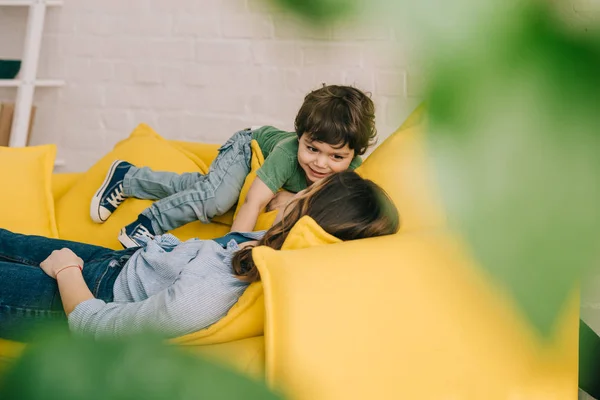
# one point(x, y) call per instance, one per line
point(166, 286)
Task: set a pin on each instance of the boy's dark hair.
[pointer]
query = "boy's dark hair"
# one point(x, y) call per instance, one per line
point(338, 115)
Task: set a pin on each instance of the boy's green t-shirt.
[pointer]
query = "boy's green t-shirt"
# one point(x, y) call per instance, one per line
point(281, 169)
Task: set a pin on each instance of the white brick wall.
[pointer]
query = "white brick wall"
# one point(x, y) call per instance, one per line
point(196, 69)
point(199, 69)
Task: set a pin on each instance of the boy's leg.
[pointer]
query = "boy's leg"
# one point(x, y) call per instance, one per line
point(32, 250)
point(144, 183)
point(213, 195)
point(125, 180)
point(110, 194)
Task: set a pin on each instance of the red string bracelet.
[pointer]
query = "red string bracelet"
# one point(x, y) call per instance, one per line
point(68, 266)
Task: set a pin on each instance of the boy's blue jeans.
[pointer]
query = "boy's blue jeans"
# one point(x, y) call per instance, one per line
point(188, 197)
point(29, 298)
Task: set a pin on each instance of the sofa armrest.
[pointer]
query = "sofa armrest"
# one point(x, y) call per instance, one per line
point(62, 182)
point(404, 316)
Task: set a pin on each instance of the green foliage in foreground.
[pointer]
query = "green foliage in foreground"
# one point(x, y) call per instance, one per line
point(317, 11)
point(515, 138)
point(64, 367)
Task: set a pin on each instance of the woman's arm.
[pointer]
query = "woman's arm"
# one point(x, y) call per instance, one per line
point(195, 301)
point(257, 198)
point(65, 266)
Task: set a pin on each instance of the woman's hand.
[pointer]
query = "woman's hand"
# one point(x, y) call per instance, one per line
point(58, 260)
point(71, 286)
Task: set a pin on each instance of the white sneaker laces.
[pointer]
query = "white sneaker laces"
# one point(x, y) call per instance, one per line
point(116, 197)
point(142, 231)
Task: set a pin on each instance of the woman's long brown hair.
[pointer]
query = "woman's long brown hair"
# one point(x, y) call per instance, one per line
point(343, 204)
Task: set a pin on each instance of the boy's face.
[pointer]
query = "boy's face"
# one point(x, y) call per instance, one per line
point(319, 159)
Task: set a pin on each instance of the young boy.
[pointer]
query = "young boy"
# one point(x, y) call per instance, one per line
point(334, 126)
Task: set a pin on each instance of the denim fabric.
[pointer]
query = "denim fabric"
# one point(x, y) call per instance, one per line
point(239, 238)
point(29, 298)
point(188, 197)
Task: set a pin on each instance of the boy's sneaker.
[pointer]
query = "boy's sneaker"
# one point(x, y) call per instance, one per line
point(141, 228)
point(110, 195)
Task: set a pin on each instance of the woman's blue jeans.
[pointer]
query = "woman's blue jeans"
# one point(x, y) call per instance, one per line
point(29, 298)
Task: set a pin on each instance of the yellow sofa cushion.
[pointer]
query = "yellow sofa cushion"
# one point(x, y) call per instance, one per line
point(307, 233)
point(400, 166)
point(403, 317)
point(26, 200)
point(246, 356)
point(62, 182)
point(143, 147)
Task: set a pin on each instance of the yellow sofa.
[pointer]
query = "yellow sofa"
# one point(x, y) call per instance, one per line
point(408, 316)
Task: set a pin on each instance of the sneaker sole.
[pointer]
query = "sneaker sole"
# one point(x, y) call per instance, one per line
point(95, 204)
point(127, 242)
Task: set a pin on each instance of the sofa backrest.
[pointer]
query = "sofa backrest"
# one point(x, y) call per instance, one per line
point(400, 166)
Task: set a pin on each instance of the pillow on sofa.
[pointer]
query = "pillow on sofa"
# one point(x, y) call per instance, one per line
point(246, 318)
point(384, 317)
point(400, 166)
point(26, 201)
point(143, 147)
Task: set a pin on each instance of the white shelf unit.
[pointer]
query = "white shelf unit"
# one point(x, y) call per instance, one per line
point(28, 79)
point(36, 83)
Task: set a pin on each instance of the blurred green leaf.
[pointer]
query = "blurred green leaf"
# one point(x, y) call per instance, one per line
point(320, 10)
point(64, 367)
point(515, 139)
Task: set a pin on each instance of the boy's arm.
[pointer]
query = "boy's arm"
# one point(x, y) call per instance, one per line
point(257, 198)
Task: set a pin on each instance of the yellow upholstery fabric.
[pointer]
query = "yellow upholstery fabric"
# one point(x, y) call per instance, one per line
point(144, 147)
point(246, 356)
point(307, 233)
point(404, 317)
point(399, 165)
point(9, 350)
point(61, 183)
point(26, 200)
point(204, 151)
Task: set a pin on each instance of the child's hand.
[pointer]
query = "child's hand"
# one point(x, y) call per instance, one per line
point(58, 260)
point(281, 199)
